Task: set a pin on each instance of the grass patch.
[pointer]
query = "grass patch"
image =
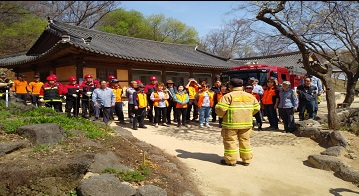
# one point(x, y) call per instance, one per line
point(41, 147)
point(42, 115)
point(130, 176)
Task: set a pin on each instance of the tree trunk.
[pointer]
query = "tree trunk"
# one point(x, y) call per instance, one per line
point(350, 90)
point(333, 122)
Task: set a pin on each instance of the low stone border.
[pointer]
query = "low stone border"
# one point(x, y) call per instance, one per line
point(336, 146)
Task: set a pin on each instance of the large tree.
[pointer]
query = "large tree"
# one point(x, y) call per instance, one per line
point(80, 13)
point(160, 28)
point(128, 23)
point(329, 29)
point(19, 27)
point(239, 38)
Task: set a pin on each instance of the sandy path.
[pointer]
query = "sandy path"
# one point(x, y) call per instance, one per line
point(275, 170)
point(278, 166)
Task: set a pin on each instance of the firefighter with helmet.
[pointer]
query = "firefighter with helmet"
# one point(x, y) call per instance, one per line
point(72, 93)
point(87, 87)
point(237, 109)
point(149, 88)
point(51, 93)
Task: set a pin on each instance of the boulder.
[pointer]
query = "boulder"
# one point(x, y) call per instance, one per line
point(335, 151)
point(106, 160)
point(104, 184)
point(150, 190)
point(48, 133)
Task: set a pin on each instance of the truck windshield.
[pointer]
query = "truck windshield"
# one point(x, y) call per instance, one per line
point(260, 74)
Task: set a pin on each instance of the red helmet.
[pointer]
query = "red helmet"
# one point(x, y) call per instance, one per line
point(110, 78)
point(88, 76)
point(53, 75)
point(153, 78)
point(138, 81)
point(50, 78)
point(72, 78)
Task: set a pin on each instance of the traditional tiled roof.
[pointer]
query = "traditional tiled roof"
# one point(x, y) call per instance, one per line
point(289, 60)
point(117, 46)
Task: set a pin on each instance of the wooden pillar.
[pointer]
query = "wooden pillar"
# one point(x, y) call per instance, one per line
point(163, 78)
point(129, 74)
point(79, 66)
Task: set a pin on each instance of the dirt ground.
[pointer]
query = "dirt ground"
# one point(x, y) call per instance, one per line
point(279, 166)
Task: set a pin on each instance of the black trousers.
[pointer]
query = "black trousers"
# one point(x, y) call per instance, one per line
point(214, 115)
point(191, 104)
point(258, 117)
point(171, 107)
point(35, 100)
point(272, 115)
point(130, 111)
point(140, 115)
point(72, 104)
point(181, 112)
point(22, 96)
point(56, 104)
point(160, 114)
point(87, 108)
point(306, 105)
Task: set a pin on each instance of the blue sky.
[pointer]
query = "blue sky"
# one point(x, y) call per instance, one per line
point(204, 16)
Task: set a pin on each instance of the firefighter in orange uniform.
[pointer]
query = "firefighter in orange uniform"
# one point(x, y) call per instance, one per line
point(33, 89)
point(237, 109)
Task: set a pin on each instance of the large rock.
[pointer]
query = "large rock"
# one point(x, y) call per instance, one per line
point(331, 163)
point(106, 160)
point(48, 133)
point(324, 162)
point(335, 151)
point(104, 184)
point(150, 190)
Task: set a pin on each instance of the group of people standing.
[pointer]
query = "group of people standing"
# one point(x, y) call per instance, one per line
point(280, 101)
point(179, 102)
point(95, 98)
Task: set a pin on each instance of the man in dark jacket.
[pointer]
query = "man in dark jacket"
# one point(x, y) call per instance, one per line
point(307, 94)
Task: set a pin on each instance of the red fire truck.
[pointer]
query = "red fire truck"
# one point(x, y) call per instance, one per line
point(262, 73)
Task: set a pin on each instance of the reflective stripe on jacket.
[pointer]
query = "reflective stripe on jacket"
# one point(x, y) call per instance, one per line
point(51, 93)
point(237, 109)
